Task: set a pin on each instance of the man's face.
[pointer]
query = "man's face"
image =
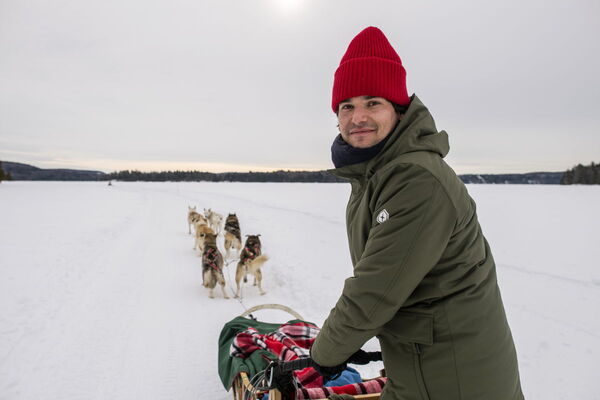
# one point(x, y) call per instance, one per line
point(365, 121)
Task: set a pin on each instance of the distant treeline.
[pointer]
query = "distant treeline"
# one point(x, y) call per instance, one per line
point(589, 174)
point(582, 174)
point(311, 176)
point(194, 176)
point(531, 178)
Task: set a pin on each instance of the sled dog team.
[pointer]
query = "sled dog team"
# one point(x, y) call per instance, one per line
point(207, 227)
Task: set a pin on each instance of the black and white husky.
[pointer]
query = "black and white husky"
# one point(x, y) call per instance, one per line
point(233, 235)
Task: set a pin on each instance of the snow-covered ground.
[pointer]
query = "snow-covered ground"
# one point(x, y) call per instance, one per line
point(101, 295)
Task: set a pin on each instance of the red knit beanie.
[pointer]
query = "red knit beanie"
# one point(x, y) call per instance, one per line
point(370, 67)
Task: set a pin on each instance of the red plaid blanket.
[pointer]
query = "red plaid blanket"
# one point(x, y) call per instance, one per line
point(371, 386)
point(292, 341)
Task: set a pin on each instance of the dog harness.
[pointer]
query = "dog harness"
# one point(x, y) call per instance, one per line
point(210, 258)
point(250, 253)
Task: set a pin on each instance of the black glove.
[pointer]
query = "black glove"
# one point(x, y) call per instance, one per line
point(284, 382)
point(361, 357)
point(329, 373)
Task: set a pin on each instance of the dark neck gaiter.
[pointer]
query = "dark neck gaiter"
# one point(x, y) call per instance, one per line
point(343, 154)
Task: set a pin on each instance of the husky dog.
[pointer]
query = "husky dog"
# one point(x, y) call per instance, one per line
point(212, 266)
point(193, 218)
point(214, 220)
point(200, 238)
point(251, 259)
point(233, 235)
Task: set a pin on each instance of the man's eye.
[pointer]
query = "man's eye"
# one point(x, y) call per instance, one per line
point(372, 103)
point(346, 107)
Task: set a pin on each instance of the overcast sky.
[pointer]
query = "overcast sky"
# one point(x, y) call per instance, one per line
point(246, 85)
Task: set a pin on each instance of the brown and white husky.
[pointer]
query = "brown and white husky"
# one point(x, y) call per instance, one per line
point(212, 266)
point(233, 235)
point(193, 218)
point(200, 237)
point(251, 260)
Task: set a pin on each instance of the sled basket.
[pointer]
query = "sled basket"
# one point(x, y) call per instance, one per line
point(248, 377)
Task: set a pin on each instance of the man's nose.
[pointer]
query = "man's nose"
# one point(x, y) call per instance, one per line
point(359, 116)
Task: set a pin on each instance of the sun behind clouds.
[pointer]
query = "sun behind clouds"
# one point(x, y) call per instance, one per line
point(288, 7)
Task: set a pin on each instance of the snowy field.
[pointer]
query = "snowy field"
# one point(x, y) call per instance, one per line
point(101, 295)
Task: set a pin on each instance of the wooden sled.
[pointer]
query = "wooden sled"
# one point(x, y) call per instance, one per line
point(244, 389)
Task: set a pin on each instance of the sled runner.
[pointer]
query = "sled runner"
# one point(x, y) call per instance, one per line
point(254, 355)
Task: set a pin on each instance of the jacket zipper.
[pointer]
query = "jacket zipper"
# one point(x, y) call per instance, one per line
point(419, 371)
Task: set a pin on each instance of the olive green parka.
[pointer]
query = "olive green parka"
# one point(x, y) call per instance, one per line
point(424, 278)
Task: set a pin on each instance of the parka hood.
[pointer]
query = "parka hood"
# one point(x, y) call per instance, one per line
point(415, 132)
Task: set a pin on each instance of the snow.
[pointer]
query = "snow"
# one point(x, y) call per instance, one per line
point(101, 295)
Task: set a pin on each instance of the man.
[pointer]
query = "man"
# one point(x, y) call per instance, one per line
point(424, 278)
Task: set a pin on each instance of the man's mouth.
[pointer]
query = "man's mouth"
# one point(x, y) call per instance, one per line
point(362, 131)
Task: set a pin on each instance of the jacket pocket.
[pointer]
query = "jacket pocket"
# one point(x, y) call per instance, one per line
point(411, 334)
point(418, 365)
point(409, 327)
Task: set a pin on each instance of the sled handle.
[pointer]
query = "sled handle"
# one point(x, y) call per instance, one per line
point(277, 369)
point(305, 362)
point(271, 307)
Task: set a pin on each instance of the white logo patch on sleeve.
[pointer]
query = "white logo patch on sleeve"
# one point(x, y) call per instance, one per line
point(383, 216)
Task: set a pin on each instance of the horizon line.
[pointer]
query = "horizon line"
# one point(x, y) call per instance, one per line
point(256, 170)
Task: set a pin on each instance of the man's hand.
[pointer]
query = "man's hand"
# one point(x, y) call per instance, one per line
point(329, 373)
point(361, 357)
point(284, 382)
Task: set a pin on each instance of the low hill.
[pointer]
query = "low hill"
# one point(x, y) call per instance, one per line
point(26, 172)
